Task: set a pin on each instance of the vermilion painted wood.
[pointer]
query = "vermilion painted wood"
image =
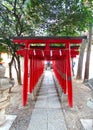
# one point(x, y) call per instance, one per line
point(31, 75)
point(25, 81)
point(60, 55)
point(65, 71)
point(55, 54)
point(48, 41)
point(69, 76)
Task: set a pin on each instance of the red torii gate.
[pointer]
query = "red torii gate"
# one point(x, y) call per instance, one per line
point(61, 57)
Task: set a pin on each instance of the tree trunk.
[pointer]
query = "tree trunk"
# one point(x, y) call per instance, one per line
point(0, 55)
point(18, 69)
point(80, 62)
point(86, 76)
point(10, 67)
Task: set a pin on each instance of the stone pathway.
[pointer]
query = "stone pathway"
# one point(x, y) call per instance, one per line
point(47, 114)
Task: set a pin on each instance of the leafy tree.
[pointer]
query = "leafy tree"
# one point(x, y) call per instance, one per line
point(86, 76)
point(15, 22)
point(67, 17)
point(3, 49)
point(89, 5)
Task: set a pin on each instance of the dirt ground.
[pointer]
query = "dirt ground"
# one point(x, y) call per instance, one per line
point(16, 108)
point(80, 110)
point(72, 116)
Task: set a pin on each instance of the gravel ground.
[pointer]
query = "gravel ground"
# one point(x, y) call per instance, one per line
point(72, 116)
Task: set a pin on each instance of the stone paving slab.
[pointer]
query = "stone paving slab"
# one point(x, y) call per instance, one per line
point(47, 114)
point(37, 116)
point(8, 123)
point(87, 124)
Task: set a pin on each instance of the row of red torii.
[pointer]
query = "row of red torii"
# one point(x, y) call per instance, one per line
point(59, 50)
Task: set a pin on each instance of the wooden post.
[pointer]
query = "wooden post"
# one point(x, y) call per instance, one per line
point(69, 75)
point(25, 79)
point(31, 75)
